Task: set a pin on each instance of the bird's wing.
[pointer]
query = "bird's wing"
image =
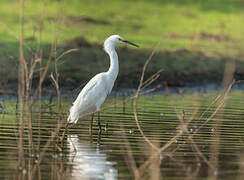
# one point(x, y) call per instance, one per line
point(81, 104)
point(94, 88)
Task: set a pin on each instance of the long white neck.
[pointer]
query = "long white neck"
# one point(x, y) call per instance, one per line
point(114, 64)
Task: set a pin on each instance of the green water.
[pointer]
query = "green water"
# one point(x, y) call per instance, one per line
point(211, 147)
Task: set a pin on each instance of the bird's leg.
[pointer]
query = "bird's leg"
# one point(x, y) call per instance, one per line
point(99, 123)
point(106, 127)
point(99, 138)
point(91, 123)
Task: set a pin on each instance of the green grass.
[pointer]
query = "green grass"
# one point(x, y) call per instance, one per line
point(142, 21)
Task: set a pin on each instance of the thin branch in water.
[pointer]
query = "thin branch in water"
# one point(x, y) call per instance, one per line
point(136, 97)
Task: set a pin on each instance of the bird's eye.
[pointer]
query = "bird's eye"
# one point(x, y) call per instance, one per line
point(121, 39)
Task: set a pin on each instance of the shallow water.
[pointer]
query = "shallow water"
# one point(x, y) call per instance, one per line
point(210, 144)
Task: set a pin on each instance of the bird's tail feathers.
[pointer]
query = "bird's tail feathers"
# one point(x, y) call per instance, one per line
point(73, 116)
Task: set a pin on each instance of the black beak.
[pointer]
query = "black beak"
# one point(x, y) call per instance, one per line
point(128, 42)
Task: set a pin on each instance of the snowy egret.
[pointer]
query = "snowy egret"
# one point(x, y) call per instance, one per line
point(97, 89)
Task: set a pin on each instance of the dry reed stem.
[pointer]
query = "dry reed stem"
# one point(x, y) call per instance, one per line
point(57, 129)
point(142, 172)
point(240, 174)
point(161, 149)
point(150, 80)
point(39, 99)
point(190, 138)
point(56, 85)
point(181, 131)
point(157, 150)
point(183, 126)
point(172, 140)
point(130, 159)
point(146, 164)
point(227, 83)
point(29, 100)
point(154, 167)
point(26, 80)
point(223, 98)
point(21, 89)
point(26, 74)
point(55, 81)
point(136, 97)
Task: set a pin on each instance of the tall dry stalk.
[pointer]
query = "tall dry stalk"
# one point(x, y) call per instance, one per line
point(55, 77)
point(240, 173)
point(212, 162)
point(25, 89)
point(151, 168)
point(140, 87)
point(55, 80)
point(217, 122)
point(21, 89)
point(39, 89)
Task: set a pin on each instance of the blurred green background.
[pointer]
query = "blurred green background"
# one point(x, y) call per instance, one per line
point(193, 38)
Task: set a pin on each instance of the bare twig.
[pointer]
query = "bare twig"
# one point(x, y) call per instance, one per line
point(136, 97)
point(21, 89)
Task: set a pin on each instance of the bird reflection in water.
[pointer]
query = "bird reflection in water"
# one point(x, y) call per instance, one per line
point(87, 162)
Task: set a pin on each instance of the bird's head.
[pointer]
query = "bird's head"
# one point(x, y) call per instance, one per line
point(111, 41)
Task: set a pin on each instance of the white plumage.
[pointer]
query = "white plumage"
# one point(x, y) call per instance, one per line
point(97, 89)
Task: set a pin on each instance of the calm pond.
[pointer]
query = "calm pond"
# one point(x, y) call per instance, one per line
point(194, 135)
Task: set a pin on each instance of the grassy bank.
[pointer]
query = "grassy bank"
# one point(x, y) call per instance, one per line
point(180, 67)
point(196, 38)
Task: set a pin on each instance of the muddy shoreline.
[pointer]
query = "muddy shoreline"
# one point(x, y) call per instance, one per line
point(71, 93)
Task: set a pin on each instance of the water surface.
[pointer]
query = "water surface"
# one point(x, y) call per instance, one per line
point(209, 144)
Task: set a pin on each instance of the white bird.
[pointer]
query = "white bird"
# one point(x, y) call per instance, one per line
point(97, 89)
